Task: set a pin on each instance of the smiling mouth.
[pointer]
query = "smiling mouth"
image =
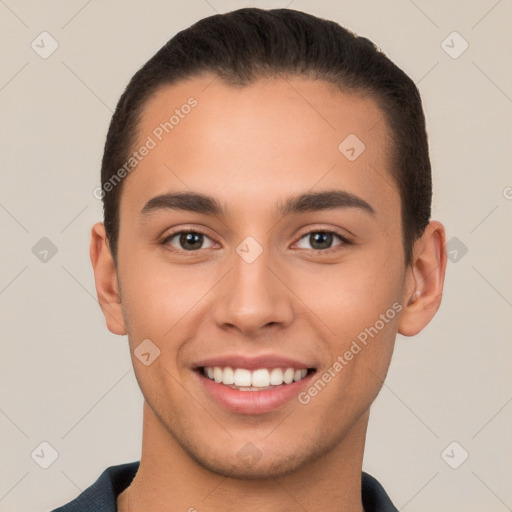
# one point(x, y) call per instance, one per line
point(261, 379)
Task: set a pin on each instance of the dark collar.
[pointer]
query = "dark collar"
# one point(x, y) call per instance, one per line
point(101, 496)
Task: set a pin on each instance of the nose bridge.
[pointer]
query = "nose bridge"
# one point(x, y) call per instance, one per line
point(252, 296)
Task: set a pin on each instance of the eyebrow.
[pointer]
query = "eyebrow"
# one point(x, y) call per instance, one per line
point(307, 202)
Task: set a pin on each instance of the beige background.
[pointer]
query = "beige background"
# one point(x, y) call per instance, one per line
point(66, 380)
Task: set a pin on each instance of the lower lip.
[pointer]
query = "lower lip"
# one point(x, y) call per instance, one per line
point(252, 402)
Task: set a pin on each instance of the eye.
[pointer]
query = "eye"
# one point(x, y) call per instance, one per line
point(321, 241)
point(192, 240)
point(187, 240)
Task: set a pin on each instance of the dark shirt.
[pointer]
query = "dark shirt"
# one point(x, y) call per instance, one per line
point(101, 495)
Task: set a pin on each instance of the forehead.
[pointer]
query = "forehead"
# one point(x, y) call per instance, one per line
point(256, 144)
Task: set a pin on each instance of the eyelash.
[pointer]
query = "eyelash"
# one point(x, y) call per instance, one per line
point(344, 240)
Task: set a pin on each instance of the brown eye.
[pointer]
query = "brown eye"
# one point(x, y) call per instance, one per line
point(323, 240)
point(186, 240)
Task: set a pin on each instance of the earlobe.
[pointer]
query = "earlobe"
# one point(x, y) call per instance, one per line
point(105, 278)
point(424, 286)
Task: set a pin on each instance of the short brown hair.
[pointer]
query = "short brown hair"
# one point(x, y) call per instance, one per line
point(243, 45)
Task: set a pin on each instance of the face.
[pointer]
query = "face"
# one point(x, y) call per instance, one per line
point(252, 278)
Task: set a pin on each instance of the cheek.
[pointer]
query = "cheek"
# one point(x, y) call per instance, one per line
point(359, 308)
point(155, 295)
point(350, 296)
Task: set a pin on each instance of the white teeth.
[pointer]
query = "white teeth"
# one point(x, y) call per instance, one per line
point(245, 380)
point(217, 374)
point(228, 376)
point(288, 375)
point(242, 377)
point(276, 377)
point(260, 378)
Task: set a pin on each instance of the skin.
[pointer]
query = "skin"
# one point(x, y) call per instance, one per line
point(251, 148)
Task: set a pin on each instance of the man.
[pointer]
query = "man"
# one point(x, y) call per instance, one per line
point(267, 189)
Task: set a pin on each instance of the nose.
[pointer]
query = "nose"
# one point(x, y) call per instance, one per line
point(253, 297)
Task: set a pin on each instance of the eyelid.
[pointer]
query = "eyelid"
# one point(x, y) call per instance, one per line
point(168, 236)
point(345, 240)
point(322, 229)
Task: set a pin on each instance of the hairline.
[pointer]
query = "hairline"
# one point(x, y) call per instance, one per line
point(390, 150)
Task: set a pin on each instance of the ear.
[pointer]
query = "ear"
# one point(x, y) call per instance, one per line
point(424, 280)
point(105, 278)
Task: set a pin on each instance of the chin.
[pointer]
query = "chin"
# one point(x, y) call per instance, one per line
point(242, 470)
point(249, 463)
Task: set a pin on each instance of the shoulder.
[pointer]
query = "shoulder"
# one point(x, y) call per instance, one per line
point(102, 494)
point(374, 497)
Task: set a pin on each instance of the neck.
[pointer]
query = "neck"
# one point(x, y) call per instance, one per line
point(168, 476)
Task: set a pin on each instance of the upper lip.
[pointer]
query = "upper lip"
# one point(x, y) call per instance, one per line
point(253, 362)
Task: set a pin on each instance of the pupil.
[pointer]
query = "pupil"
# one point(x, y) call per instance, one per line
point(189, 239)
point(320, 237)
